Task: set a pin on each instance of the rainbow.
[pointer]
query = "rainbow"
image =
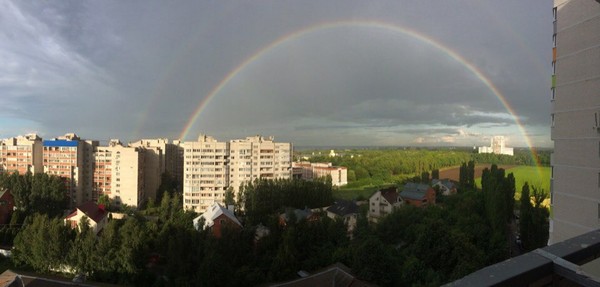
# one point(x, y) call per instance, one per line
point(357, 23)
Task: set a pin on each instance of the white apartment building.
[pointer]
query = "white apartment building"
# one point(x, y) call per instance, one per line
point(497, 146)
point(211, 167)
point(119, 173)
point(21, 154)
point(575, 119)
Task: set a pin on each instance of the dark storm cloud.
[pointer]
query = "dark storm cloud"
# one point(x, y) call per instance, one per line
point(140, 69)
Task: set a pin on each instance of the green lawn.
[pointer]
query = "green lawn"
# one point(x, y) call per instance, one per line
point(354, 193)
point(529, 174)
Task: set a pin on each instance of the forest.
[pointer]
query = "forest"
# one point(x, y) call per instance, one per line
point(158, 246)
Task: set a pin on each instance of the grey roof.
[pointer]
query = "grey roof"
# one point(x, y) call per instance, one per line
point(416, 191)
point(343, 207)
point(299, 213)
point(445, 182)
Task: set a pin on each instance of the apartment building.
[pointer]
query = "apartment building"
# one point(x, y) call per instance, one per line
point(575, 119)
point(497, 146)
point(21, 154)
point(119, 173)
point(72, 159)
point(211, 167)
point(171, 160)
point(309, 171)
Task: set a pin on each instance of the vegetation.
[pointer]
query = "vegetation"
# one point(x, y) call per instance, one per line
point(38, 193)
point(376, 168)
point(158, 246)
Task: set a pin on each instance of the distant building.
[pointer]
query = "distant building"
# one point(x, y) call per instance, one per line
point(216, 218)
point(211, 167)
point(497, 147)
point(96, 214)
point(383, 202)
point(119, 173)
point(170, 155)
point(418, 194)
point(575, 119)
point(309, 171)
point(71, 158)
point(21, 154)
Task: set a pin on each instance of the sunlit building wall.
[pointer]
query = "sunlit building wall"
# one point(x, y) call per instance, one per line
point(21, 154)
point(71, 158)
point(575, 119)
point(212, 167)
point(119, 173)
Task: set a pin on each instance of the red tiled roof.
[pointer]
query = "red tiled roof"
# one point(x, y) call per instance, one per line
point(91, 210)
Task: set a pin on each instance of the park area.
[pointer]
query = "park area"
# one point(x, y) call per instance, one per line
point(535, 176)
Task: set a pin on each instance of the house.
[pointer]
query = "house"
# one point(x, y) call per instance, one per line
point(96, 214)
point(346, 210)
point(446, 186)
point(336, 275)
point(299, 214)
point(7, 204)
point(216, 218)
point(418, 194)
point(383, 202)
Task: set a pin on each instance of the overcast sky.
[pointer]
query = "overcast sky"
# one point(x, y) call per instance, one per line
point(139, 69)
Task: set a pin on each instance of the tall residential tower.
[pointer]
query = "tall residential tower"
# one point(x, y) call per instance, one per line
point(575, 95)
point(211, 167)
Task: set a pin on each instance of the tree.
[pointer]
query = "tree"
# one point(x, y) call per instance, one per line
point(425, 177)
point(435, 174)
point(42, 244)
point(81, 253)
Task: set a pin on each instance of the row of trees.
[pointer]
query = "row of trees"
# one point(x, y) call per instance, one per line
point(261, 197)
point(36, 193)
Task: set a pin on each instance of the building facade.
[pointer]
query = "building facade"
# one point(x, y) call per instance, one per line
point(170, 157)
point(309, 171)
point(212, 167)
point(497, 146)
point(21, 154)
point(575, 119)
point(119, 173)
point(71, 158)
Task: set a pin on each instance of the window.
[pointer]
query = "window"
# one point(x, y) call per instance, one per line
point(552, 124)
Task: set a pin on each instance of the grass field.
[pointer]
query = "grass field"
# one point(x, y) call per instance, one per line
point(529, 174)
point(354, 193)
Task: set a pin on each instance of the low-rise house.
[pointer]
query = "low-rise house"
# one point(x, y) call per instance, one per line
point(216, 218)
point(445, 186)
point(383, 202)
point(96, 214)
point(346, 210)
point(299, 214)
point(418, 194)
point(7, 204)
point(336, 275)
